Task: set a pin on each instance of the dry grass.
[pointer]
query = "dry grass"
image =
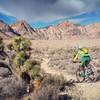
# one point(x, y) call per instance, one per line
point(51, 88)
point(59, 53)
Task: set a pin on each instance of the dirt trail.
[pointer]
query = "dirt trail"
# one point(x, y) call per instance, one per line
point(84, 91)
point(53, 71)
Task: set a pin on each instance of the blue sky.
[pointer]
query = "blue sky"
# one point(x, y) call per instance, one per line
point(7, 19)
point(43, 12)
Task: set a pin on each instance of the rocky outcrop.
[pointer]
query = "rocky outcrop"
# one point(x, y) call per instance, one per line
point(93, 30)
point(6, 31)
point(4, 72)
point(24, 29)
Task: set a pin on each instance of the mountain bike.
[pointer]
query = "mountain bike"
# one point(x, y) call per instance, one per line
point(87, 73)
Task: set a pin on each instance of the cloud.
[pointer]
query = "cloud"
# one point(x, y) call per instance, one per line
point(76, 20)
point(46, 10)
point(4, 11)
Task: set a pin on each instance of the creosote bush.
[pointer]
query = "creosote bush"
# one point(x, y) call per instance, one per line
point(57, 80)
point(51, 87)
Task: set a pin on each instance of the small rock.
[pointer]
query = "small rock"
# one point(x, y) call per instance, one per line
point(4, 72)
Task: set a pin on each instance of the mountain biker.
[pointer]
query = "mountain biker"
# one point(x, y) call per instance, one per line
point(82, 54)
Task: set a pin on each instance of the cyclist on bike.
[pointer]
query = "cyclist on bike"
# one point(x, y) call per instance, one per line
point(82, 54)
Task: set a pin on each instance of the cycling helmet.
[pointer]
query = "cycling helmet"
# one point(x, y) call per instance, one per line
point(85, 50)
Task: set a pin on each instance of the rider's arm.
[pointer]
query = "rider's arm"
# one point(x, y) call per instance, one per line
point(76, 57)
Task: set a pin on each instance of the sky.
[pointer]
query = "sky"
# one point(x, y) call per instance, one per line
point(47, 10)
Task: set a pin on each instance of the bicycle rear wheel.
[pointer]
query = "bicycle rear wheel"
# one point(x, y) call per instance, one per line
point(92, 73)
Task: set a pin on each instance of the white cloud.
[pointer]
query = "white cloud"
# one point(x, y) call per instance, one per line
point(47, 10)
point(4, 11)
point(77, 20)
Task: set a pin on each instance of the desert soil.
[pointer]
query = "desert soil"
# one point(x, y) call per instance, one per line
point(53, 54)
point(65, 43)
point(81, 91)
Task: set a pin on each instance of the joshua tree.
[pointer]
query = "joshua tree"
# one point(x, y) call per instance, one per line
point(21, 57)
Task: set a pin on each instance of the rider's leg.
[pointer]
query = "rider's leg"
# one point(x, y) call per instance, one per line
point(86, 60)
point(82, 72)
point(84, 63)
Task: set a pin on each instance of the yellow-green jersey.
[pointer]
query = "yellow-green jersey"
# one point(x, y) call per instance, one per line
point(82, 55)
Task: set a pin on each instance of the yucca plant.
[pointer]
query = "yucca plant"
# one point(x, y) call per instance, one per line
point(19, 58)
point(33, 67)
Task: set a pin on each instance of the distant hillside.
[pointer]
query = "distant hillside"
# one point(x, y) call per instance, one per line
point(61, 31)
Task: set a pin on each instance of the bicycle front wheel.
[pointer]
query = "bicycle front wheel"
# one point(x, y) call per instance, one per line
point(78, 75)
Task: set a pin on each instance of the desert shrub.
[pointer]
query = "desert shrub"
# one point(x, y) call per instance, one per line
point(32, 68)
point(25, 44)
point(35, 71)
point(50, 89)
point(49, 92)
point(12, 89)
point(30, 63)
point(54, 80)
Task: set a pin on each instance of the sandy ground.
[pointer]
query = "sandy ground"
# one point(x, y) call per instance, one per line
point(65, 43)
point(57, 72)
point(81, 91)
point(87, 91)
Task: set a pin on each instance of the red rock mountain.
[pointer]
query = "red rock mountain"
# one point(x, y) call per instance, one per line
point(6, 31)
point(64, 30)
point(93, 30)
point(67, 30)
point(24, 29)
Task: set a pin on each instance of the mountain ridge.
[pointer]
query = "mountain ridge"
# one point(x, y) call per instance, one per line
point(61, 31)
point(82, 19)
point(6, 31)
